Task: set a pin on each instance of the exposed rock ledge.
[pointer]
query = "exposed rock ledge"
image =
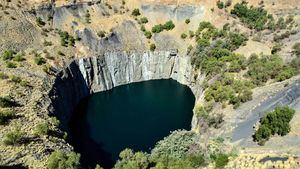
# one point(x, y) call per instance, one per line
point(85, 76)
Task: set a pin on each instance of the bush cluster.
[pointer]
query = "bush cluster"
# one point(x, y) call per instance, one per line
point(60, 159)
point(7, 102)
point(66, 39)
point(6, 115)
point(228, 89)
point(169, 25)
point(13, 137)
point(136, 12)
point(253, 17)
point(263, 68)
point(258, 18)
point(275, 122)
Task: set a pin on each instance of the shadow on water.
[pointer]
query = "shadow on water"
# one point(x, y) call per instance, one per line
point(90, 150)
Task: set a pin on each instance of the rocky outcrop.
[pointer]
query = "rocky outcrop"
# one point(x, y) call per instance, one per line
point(85, 76)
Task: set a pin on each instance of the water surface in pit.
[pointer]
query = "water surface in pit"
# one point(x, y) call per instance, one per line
point(132, 116)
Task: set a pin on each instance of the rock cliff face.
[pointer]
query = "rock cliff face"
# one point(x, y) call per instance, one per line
point(85, 76)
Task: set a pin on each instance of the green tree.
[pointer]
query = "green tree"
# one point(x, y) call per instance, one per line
point(169, 25)
point(61, 160)
point(136, 12)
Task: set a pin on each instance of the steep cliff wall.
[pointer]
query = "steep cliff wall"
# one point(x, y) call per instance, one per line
point(85, 76)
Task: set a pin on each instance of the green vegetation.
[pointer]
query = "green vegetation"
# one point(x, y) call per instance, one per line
point(5, 116)
point(152, 47)
point(40, 22)
point(136, 12)
point(157, 28)
point(183, 36)
point(212, 120)
point(88, 17)
point(7, 102)
point(228, 89)
point(296, 49)
point(254, 18)
point(18, 58)
point(42, 129)
point(148, 34)
point(175, 145)
point(60, 159)
point(169, 25)
point(8, 55)
point(258, 18)
point(98, 167)
point(187, 21)
point(264, 68)
point(13, 137)
point(66, 39)
point(3, 76)
point(10, 64)
point(220, 4)
point(144, 20)
point(221, 160)
point(275, 122)
point(39, 60)
point(129, 159)
point(101, 34)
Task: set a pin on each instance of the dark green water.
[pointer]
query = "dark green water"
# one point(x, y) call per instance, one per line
point(132, 116)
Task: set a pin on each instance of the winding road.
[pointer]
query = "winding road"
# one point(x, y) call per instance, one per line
point(243, 131)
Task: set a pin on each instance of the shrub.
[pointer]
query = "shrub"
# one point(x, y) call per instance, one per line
point(276, 48)
point(285, 73)
point(144, 20)
point(87, 17)
point(169, 25)
point(60, 53)
point(275, 122)
point(129, 159)
point(42, 129)
point(10, 64)
point(66, 39)
point(221, 160)
point(267, 67)
point(7, 102)
point(254, 18)
point(59, 159)
point(101, 34)
point(6, 115)
point(39, 60)
point(13, 137)
point(296, 49)
point(98, 166)
point(220, 4)
point(175, 145)
point(8, 55)
point(148, 34)
point(187, 21)
point(40, 21)
point(24, 83)
point(3, 76)
point(183, 36)
point(136, 12)
point(143, 28)
point(152, 47)
point(15, 79)
point(157, 28)
point(18, 58)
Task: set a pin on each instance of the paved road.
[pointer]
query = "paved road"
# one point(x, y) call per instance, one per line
point(288, 96)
